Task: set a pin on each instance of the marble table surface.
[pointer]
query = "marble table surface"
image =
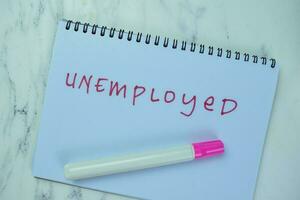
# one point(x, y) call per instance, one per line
point(27, 28)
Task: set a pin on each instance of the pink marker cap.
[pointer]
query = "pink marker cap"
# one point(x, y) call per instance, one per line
point(208, 149)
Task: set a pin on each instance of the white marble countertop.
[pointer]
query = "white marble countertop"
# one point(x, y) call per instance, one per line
point(27, 28)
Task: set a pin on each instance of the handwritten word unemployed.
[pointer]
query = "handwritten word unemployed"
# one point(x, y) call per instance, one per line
point(104, 85)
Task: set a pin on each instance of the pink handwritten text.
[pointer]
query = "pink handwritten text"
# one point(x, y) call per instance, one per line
point(138, 93)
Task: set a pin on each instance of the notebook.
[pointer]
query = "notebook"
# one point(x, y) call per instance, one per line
point(112, 92)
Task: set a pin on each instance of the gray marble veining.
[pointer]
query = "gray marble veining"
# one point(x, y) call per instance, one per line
point(27, 31)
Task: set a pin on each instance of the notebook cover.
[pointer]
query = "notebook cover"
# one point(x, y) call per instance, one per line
point(83, 121)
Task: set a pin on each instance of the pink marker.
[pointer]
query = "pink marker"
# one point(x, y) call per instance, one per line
point(132, 162)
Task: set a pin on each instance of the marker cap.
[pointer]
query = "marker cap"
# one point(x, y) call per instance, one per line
point(208, 149)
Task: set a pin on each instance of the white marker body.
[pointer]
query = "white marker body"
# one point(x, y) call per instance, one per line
point(128, 163)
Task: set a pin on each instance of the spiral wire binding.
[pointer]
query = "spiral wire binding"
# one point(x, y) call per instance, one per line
point(174, 43)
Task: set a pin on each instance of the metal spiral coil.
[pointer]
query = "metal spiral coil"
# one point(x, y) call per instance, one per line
point(183, 45)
